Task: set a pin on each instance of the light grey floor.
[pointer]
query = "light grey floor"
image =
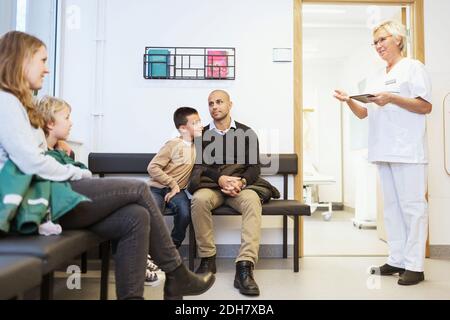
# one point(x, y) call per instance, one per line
point(338, 237)
point(337, 258)
point(319, 278)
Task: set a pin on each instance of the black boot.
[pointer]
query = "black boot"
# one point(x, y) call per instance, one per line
point(182, 282)
point(244, 280)
point(207, 265)
point(410, 278)
point(386, 270)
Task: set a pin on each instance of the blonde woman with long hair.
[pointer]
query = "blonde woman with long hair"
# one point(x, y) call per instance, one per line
point(121, 210)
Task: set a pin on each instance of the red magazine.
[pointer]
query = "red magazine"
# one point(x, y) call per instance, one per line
point(217, 64)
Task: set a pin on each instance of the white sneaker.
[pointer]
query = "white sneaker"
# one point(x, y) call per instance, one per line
point(151, 278)
point(151, 265)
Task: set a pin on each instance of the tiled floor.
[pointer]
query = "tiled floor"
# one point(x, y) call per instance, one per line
point(319, 278)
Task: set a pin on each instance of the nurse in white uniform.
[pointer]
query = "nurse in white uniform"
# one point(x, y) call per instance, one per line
point(398, 145)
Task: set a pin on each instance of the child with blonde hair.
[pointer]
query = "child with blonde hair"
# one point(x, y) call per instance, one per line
point(55, 113)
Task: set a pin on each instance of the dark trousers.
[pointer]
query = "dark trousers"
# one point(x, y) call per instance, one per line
point(123, 210)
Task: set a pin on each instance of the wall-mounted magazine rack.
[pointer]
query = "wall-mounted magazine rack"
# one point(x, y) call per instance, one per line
point(190, 63)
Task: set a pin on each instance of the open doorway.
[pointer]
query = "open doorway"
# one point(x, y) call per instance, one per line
point(339, 183)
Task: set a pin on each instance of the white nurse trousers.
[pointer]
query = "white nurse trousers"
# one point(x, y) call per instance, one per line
point(405, 213)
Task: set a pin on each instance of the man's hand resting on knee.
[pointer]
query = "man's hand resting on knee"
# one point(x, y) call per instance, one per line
point(230, 186)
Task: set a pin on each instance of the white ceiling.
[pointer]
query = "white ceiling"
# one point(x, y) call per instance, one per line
point(333, 31)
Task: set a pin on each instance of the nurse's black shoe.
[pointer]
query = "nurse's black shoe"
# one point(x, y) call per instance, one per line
point(409, 278)
point(386, 270)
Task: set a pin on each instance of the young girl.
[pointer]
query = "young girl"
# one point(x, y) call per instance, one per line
point(121, 209)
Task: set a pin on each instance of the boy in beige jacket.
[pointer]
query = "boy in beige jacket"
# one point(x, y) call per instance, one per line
point(171, 168)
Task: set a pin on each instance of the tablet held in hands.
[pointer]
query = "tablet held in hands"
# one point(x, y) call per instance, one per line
point(364, 98)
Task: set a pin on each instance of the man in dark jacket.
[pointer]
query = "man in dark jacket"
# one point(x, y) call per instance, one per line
point(227, 143)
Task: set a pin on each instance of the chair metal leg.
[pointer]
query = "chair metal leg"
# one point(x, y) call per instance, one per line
point(106, 256)
point(47, 286)
point(285, 236)
point(296, 243)
point(192, 247)
point(84, 262)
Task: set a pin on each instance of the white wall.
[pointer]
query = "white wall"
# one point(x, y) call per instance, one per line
point(251, 26)
point(322, 139)
point(103, 74)
point(149, 104)
point(437, 49)
point(77, 71)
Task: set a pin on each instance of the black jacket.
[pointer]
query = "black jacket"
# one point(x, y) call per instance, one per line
point(238, 146)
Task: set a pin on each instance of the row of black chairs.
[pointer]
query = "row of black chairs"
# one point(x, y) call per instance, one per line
point(107, 164)
point(27, 262)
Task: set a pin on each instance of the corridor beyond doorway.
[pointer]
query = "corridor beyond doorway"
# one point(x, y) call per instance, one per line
point(337, 54)
point(338, 237)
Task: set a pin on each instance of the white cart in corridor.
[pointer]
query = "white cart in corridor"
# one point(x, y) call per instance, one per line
point(309, 182)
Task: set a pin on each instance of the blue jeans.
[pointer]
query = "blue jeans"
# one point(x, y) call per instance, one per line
point(181, 207)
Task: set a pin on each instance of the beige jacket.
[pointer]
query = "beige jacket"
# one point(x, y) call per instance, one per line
point(172, 165)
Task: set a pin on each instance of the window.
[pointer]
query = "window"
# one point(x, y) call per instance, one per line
point(39, 18)
point(21, 16)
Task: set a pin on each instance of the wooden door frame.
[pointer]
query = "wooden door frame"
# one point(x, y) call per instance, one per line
point(417, 25)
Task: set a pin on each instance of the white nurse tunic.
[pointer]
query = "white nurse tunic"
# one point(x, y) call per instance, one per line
point(396, 134)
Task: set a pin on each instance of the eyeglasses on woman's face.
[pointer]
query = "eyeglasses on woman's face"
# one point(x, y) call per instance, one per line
point(380, 40)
